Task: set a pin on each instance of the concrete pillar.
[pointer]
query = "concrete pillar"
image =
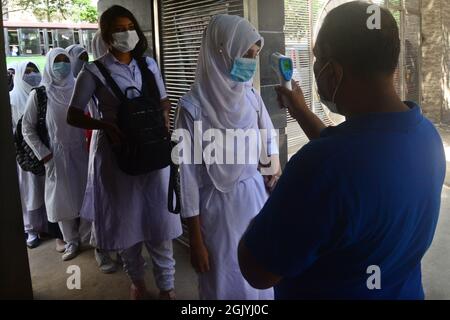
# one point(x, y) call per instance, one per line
point(446, 61)
point(15, 280)
point(5, 35)
point(268, 17)
point(435, 60)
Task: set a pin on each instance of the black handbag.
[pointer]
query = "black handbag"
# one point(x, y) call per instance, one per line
point(25, 156)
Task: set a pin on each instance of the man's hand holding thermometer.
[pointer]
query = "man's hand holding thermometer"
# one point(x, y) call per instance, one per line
point(284, 68)
point(290, 96)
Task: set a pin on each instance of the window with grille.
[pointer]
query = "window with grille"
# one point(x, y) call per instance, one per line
point(303, 19)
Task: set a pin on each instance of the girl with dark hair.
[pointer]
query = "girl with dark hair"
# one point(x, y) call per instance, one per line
point(128, 211)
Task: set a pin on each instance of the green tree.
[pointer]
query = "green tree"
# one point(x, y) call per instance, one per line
point(55, 10)
point(85, 11)
point(49, 10)
point(297, 17)
point(15, 5)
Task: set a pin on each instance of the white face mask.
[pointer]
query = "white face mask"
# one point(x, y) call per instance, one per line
point(125, 41)
point(61, 70)
point(331, 105)
point(32, 78)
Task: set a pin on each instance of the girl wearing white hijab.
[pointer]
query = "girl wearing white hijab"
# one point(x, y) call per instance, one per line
point(78, 58)
point(220, 200)
point(66, 159)
point(11, 70)
point(27, 76)
point(99, 47)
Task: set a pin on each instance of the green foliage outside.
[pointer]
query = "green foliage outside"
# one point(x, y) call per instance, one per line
point(56, 10)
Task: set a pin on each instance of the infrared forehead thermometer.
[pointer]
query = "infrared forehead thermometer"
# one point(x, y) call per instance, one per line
point(284, 67)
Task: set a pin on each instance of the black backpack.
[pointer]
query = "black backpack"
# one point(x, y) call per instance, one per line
point(25, 156)
point(147, 146)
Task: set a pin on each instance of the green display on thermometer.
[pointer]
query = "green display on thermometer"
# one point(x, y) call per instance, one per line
point(286, 68)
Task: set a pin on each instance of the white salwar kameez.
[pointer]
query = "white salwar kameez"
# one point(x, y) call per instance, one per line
point(224, 216)
point(66, 172)
point(225, 196)
point(31, 186)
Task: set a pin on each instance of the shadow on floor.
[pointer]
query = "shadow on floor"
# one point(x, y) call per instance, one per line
point(49, 276)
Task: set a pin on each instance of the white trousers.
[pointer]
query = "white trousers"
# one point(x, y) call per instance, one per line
point(162, 259)
point(75, 230)
point(35, 221)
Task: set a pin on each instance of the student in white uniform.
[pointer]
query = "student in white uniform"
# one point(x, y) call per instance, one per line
point(27, 76)
point(10, 72)
point(66, 159)
point(99, 48)
point(129, 211)
point(219, 200)
point(78, 58)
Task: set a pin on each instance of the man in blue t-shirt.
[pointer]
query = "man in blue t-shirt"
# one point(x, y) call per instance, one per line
point(357, 207)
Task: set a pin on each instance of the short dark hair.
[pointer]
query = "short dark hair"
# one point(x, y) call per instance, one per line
point(346, 38)
point(106, 28)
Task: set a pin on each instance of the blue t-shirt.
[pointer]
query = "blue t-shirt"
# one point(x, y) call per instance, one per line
point(367, 193)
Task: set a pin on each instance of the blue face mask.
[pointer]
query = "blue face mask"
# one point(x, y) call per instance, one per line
point(61, 70)
point(32, 78)
point(243, 69)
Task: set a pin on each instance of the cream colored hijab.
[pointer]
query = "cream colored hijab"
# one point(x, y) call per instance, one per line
point(222, 101)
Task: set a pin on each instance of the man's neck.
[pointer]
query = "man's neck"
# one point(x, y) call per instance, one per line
point(374, 98)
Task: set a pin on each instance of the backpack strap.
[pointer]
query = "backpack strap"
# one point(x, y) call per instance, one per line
point(174, 189)
point(148, 78)
point(110, 81)
point(174, 181)
point(41, 94)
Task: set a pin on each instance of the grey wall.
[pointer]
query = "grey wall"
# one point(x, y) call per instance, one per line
point(271, 26)
point(436, 60)
point(15, 280)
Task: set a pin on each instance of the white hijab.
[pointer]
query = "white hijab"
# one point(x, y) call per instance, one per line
point(99, 47)
point(13, 65)
point(223, 101)
point(19, 95)
point(58, 92)
point(75, 51)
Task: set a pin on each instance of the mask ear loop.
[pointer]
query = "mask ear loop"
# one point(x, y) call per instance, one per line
point(323, 68)
point(319, 75)
point(333, 98)
point(337, 88)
